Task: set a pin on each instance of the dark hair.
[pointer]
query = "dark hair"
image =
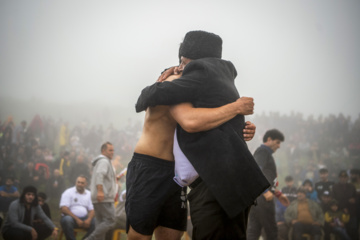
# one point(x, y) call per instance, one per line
point(323, 170)
point(42, 195)
point(343, 173)
point(83, 176)
point(307, 181)
point(104, 146)
point(274, 134)
point(289, 179)
point(31, 189)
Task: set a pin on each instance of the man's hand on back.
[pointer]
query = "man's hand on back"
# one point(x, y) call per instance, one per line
point(249, 131)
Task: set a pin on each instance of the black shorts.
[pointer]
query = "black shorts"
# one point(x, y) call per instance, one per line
point(152, 196)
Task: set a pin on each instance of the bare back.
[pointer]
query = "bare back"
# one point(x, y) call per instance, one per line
point(158, 133)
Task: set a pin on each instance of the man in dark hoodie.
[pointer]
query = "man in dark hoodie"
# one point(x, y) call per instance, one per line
point(103, 190)
point(218, 206)
point(19, 223)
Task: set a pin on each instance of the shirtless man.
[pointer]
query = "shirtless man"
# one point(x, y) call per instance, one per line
point(154, 201)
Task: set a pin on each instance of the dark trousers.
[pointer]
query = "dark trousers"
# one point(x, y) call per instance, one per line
point(300, 228)
point(210, 221)
point(262, 216)
point(16, 233)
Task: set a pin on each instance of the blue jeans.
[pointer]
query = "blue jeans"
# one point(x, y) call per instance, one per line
point(68, 224)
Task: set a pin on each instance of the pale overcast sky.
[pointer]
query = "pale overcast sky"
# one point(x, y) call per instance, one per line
point(300, 55)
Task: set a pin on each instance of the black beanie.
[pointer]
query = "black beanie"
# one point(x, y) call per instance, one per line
point(201, 44)
point(31, 189)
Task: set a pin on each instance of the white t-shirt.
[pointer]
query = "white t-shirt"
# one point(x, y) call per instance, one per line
point(185, 173)
point(79, 204)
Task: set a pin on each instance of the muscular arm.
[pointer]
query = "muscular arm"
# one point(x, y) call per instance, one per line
point(202, 119)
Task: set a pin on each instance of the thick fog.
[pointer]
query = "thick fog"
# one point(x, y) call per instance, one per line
point(80, 59)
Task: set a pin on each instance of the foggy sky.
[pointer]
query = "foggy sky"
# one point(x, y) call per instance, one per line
point(300, 56)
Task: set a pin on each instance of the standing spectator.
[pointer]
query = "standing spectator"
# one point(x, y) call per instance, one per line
point(64, 136)
point(8, 193)
point(77, 209)
point(42, 230)
point(305, 216)
point(263, 214)
point(336, 220)
point(103, 190)
point(345, 194)
point(324, 184)
point(19, 223)
point(289, 190)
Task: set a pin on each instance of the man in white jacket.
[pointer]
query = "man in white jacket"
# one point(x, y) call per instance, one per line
point(103, 189)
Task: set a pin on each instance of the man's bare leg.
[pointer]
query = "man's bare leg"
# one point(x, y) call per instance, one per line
point(133, 235)
point(164, 233)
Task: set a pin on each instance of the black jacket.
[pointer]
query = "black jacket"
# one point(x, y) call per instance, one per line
point(220, 156)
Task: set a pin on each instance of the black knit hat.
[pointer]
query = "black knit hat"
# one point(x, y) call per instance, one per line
point(201, 44)
point(31, 189)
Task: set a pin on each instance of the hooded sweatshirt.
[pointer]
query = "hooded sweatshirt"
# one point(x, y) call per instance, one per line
point(103, 174)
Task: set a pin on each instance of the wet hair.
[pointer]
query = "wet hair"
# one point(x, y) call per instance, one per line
point(289, 179)
point(104, 146)
point(26, 190)
point(274, 134)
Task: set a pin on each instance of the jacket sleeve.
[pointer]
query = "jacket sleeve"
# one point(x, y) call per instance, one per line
point(184, 89)
point(43, 216)
point(13, 215)
point(290, 212)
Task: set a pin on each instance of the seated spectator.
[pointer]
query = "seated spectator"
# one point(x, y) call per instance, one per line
point(290, 190)
point(345, 194)
point(77, 209)
point(19, 223)
point(8, 193)
point(324, 184)
point(325, 201)
point(336, 220)
point(29, 176)
point(305, 216)
point(79, 168)
point(310, 191)
point(43, 230)
point(55, 185)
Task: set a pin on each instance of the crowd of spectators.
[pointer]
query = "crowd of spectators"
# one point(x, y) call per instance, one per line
point(51, 154)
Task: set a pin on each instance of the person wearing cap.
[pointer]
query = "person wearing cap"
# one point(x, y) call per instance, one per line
point(262, 215)
point(345, 194)
point(152, 167)
point(19, 223)
point(325, 200)
point(218, 206)
point(304, 216)
point(324, 184)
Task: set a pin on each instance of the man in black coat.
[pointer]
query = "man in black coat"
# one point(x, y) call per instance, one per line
point(230, 180)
